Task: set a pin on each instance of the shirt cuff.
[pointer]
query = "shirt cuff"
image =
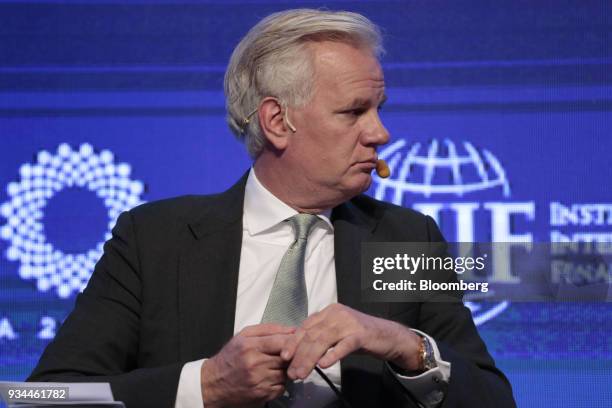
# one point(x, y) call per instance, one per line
point(189, 392)
point(428, 387)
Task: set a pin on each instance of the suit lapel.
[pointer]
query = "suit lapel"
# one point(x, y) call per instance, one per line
point(360, 374)
point(351, 228)
point(208, 275)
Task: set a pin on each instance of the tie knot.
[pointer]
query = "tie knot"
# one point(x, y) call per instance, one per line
point(302, 224)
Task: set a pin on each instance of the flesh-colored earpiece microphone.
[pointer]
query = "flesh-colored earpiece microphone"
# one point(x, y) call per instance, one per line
point(382, 168)
point(288, 122)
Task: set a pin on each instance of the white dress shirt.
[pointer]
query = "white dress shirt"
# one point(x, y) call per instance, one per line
point(265, 239)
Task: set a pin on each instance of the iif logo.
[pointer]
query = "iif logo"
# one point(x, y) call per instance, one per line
point(444, 180)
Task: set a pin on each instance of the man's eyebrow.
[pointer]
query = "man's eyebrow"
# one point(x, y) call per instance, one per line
point(359, 102)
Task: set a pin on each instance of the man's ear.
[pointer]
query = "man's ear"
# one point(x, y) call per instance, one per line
point(272, 123)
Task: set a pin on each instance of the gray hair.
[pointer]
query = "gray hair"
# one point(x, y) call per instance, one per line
point(272, 60)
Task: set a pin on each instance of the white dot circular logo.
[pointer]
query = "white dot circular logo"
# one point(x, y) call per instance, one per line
point(84, 168)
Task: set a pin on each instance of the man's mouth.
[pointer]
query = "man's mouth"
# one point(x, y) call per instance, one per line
point(366, 166)
point(367, 163)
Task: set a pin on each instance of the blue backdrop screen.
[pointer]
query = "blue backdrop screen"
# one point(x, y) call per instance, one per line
point(500, 116)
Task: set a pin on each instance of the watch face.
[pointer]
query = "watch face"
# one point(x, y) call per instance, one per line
point(429, 361)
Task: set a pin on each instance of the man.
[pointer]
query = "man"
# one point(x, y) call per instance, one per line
point(234, 299)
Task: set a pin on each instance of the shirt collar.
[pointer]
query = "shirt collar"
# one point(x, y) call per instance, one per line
point(263, 210)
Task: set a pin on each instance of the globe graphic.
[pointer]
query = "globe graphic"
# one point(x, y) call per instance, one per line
point(439, 168)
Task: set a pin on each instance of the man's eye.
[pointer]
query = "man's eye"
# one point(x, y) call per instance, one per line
point(355, 112)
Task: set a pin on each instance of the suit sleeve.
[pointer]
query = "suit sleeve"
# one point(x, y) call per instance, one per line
point(474, 379)
point(99, 340)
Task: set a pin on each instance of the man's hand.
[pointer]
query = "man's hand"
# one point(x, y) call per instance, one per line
point(248, 371)
point(337, 331)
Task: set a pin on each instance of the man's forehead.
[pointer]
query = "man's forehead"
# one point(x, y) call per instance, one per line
point(339, 64)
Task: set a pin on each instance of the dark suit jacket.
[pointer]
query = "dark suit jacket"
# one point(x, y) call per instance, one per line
point(164, 293)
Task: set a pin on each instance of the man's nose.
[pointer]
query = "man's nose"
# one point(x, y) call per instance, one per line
point(376, 133)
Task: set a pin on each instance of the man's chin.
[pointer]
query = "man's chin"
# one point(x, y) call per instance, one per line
point(360, 184)
point(367, 183)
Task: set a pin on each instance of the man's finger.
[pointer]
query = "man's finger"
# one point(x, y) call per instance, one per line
point(291, 344)
point(276, 377)
point(345, 347)
point(276, 391)
point(272, 344)
point(276, 363)
point(266, 329)
point(309, 351)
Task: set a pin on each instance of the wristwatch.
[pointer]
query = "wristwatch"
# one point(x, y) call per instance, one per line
point(428, 360)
